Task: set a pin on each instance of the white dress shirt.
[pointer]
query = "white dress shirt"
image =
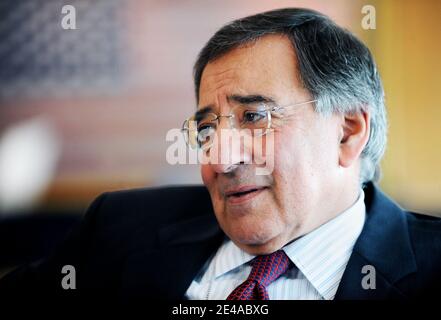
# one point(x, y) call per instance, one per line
point(320, 258)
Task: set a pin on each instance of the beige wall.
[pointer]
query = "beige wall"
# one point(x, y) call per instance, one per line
point(407, 48)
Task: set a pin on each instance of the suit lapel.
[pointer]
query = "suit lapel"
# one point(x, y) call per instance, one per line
point(384, 244)
point(166, 272)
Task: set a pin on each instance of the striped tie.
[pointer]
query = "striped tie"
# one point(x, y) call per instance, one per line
point(266, 269)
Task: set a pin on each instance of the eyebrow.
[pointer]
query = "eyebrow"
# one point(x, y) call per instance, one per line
point(201, 112)
point(242, 99)
point(249, 99)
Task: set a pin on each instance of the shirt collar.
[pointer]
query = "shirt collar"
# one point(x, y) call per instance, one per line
point(229, 257)
point(321, 255)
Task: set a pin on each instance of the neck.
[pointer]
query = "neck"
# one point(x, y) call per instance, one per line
point(332, 205)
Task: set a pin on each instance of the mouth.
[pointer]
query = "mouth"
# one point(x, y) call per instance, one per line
point(243, 194)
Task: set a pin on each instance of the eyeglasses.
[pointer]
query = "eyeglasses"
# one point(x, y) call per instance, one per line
point(199, 130)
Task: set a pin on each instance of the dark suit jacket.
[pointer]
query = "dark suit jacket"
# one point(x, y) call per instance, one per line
point(151, 243)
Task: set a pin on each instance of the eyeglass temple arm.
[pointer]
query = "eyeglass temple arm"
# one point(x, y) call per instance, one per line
point(277, 107)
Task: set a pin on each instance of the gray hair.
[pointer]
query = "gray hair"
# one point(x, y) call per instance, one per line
point(335, 67)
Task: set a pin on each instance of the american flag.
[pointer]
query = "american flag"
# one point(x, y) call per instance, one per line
point(38, 57)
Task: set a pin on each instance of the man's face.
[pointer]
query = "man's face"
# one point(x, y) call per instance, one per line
point(301, 191)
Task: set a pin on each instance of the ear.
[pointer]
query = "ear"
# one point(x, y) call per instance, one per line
point(355, 130)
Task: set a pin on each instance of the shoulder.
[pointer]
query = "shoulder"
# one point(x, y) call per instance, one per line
point(116, 226)
point(133, 216)
point(421, 221)
point(158, 205)
point(423, 229)
point(425, 233)
point(416, 236)
point(425, 239)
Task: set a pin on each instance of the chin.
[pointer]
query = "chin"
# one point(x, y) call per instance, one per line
point(256, 242)
point(261, 249)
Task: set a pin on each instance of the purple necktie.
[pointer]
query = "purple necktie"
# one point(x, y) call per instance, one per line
point(265, 269)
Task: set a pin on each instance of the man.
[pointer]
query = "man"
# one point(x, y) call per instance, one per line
point(313, 227)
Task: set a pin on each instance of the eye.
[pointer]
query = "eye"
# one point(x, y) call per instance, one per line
point(206, 121)
point(205, 127)
point(205, 134)
point(254, 116)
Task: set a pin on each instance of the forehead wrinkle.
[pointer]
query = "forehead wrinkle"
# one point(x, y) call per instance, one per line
point(224, 81)
point(216, 85)
point(219, 73)
point(228, 73)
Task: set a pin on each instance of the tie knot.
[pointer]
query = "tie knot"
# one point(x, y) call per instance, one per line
point(267, 268)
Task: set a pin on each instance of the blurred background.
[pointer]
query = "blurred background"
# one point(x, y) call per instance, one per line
point(87, 110)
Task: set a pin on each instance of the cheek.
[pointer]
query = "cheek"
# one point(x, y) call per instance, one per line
point(306, 155)
point(298, 162)
point(290, 152)
point(290, 168)
point(207, 175)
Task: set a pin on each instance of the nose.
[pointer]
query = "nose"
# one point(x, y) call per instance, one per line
point(230, 148)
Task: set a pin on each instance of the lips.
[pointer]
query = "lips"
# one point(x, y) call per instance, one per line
point(243, 194)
